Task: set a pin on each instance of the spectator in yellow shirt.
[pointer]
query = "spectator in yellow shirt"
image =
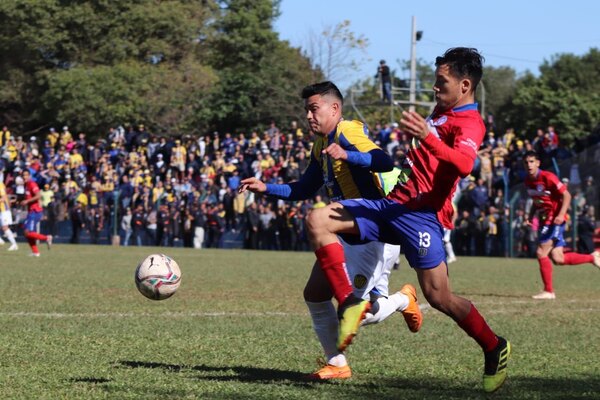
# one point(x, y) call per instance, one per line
point(75, 159)
point(4, 136)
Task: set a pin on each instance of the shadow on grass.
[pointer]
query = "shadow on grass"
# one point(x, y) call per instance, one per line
point(416, 387)
point(225, 374)
point(89, 380)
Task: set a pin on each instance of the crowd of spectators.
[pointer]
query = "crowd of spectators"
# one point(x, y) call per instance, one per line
point(181, 190)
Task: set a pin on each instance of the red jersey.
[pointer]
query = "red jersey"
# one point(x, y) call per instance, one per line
point(546, 190)
point(31, 189)
point(434, 165)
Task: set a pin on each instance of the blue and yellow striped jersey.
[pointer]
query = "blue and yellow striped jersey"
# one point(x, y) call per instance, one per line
point(344, 180)
point(4, 205)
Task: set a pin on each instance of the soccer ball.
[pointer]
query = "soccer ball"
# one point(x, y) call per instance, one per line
point(157, 277)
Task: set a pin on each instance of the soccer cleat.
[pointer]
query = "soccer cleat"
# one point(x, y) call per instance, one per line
point(544, 296)
point(49, 241)
point(328, 371)
point(596, 261)
point(496, 362)
point(450, 260)
point(350, 318)
point(13, 247)
point(34, 254)
point(412, 314)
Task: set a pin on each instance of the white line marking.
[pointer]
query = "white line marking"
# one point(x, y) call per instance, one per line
point(192, 314)
point(142, 314)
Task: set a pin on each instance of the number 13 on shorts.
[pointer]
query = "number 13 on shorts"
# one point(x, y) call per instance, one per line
point(424, 239)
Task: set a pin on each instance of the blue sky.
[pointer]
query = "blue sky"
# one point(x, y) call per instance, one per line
point(520, 34)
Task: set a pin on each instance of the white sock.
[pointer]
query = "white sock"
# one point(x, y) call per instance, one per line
point(325, 324)
point(385, 307)
point(449, 250)
point(1, 241)
point(10, 236)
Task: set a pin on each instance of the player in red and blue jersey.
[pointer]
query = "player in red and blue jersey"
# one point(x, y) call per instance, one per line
point(34, 214)
point(444, 148)
point(551, 200)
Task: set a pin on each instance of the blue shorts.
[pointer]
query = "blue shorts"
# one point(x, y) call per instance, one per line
point(554, 233)
point(32, 220)
point(418, 232)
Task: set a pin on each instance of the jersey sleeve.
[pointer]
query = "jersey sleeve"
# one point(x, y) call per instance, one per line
point(553, 183)
point(33, 188)
point(353, 136)
point(467, 139)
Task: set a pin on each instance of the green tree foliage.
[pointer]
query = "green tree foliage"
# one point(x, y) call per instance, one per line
point(499, 85)
point(185, 65)
point(566, 95)
point(92, 64)
point(260, 76)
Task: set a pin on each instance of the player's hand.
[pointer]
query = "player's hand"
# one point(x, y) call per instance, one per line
point(252, 184)
point(559, 219)
point(336, 152)
point(414, 124)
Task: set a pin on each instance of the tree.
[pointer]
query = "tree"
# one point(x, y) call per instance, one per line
point(260, 77)
point(92, 62)
point(333, 51)
point(566, 95)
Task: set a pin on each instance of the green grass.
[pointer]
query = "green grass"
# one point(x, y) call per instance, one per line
point(73, 326)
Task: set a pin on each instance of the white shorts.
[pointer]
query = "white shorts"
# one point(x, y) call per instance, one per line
point(369, 266)
point(6, 218)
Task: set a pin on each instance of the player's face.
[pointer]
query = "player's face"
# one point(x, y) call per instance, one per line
point(322, 113)
point(532, 165)
point(450, 91)
point(26, 176)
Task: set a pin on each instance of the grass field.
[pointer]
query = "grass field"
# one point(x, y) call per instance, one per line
point(73, 326)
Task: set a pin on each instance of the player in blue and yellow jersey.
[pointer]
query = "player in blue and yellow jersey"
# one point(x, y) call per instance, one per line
point(6, 218)
point(350, 165)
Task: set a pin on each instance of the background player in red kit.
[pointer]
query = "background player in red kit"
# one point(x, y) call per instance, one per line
point(34, 214)
point(551, 198)
point(443, 149)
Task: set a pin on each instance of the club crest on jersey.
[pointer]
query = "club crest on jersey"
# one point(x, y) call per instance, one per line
point(440, 121)
point(422, 252)
point(360, 281)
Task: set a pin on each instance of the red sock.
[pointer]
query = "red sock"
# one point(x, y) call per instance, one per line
point(577, 258)
point(32, 244)
point(36, 236)
point(478, 329)
point(546, 272)
point(332, 262)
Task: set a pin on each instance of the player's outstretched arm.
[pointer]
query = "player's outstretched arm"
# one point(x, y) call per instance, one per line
point(252, 184)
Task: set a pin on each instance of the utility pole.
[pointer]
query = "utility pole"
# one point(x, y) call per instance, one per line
point(413, 65)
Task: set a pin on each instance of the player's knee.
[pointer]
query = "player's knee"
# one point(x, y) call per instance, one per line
point(557, 259)
point(316, 220)
point(540, 253)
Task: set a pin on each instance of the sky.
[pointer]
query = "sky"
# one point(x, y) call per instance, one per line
point(519, 34)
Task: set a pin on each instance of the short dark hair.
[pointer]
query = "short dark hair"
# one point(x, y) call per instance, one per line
point(323, 89)
point(531, 153)
point(464, 62)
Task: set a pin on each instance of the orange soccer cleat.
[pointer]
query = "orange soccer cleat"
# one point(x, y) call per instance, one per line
point(328, 371)
point(412, 314)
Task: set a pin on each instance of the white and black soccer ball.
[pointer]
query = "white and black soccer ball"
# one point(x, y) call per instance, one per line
point(157, 277)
